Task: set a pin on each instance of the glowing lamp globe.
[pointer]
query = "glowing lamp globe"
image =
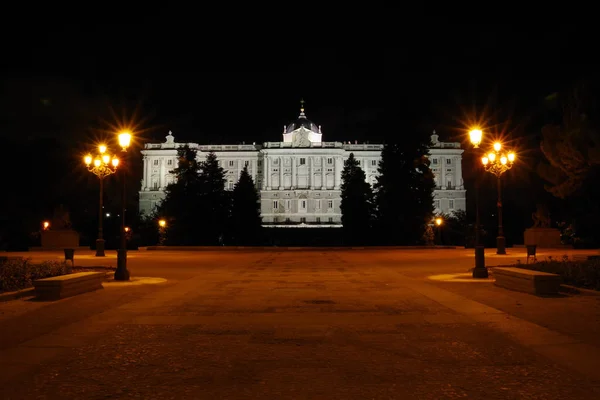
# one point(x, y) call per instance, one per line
point(124, 140)
point(475, 135)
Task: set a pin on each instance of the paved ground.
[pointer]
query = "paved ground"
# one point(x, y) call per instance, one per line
point(358, 324)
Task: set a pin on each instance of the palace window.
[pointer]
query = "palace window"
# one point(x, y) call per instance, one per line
point(288, 204)
point(169, 162)
point(330, 161)
point(374, 163)
point(434, 160)
point(451, 204)
point(275, 204)
point(330, 220)
point(318, 220)
point(318, 204)
point(302, 161)
point(448, 161)
point(231, 163)
point(436, 204)
point(330, 204)
point(230, 185)
point(246, 163)
point(303, 220)
point(259, 163)
point(155, 162)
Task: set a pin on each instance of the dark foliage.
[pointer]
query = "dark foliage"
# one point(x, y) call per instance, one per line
point(404, 193)
point(245, 212)
point(357, 203)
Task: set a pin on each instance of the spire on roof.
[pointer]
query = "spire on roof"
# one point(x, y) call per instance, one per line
point(302, 115)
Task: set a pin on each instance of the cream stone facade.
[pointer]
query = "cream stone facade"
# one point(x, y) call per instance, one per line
point(298, 178)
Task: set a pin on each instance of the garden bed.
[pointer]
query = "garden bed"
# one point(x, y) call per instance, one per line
point(17, 274)
point(580, 273)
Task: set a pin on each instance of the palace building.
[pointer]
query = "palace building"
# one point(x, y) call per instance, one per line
point(298, 178)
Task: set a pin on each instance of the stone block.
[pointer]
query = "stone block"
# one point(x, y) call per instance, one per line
point(59, 287)
point(60, 239)
point(543, 237)
point(528, 281)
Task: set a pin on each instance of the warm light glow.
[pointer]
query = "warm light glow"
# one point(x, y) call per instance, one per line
point(511, 157)
point(438, 221)
point(102, 149)
point(475, 135)
point(503, 160)
point(115, 162)
point(485, 161)
point(124, 140)
point(46, 225)
point(126, 229)
point(97, 162)
point(162, 223)
point(497, 146)
point(106, 158)
point(87, 159)
point(492, 157)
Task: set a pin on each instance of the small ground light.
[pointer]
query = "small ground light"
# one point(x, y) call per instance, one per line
point(46, 225)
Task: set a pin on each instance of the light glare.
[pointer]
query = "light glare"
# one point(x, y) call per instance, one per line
point(497, 146)
point(475, 135)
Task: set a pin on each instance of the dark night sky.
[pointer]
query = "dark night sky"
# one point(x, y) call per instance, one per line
point(208, 89)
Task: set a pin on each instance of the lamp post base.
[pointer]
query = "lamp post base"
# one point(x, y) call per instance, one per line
point(500, 245)
point(121, 274)
point(99, 247)
point(480, 271)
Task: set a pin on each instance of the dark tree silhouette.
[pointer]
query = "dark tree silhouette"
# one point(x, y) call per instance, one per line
point(357, 203)
point(246, 222)
point(404, 192)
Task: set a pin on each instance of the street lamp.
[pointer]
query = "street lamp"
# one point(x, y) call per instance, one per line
point(121, 273)
point(480, 271)
point(101, 165)
point(162, 224)
point(438, 222)
point(498, 163)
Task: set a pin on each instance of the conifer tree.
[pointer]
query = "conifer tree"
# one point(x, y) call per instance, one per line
point(356, 204)
point(214, 202)
point(246, 222)
point(179, 207)
point(404, 192)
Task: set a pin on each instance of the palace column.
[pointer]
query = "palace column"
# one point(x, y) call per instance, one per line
point(323, 183)
point(293, 172)
point(268, 171)
point(145, 175)
point(442, 172)
point(161, 172)
point(310, 173)
point(281, 163)
point(337, 172)
point(459, 177)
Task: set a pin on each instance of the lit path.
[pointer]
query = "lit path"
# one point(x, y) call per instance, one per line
point(359, 324)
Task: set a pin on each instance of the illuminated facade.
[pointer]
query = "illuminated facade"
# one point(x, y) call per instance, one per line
point(298, 178)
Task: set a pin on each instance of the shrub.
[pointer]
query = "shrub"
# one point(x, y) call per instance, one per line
point(585, 274)
point(16, 274)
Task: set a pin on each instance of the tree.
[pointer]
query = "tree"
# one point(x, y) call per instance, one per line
point(180, 206)
point(246, 222)
point(357, 203)
point(214, 204)
point(404, 192)
point(572, 168)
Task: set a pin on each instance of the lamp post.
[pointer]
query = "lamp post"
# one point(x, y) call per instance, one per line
point(121, 273)
point(102, 165)
point(438, 222)
point(480, 271)
point(498, 163)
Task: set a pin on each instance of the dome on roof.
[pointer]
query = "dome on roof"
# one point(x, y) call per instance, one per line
point(302, 122)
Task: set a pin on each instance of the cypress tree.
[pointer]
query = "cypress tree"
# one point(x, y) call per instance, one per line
point(356, 204)
point(246, 222)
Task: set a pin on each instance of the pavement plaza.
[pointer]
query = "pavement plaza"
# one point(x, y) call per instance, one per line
point(301, 324)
